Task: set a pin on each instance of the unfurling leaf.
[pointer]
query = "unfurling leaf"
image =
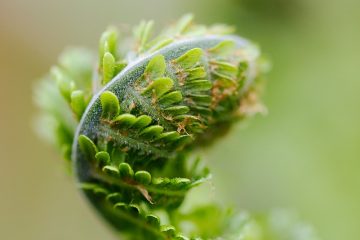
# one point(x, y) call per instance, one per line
point(110, 105)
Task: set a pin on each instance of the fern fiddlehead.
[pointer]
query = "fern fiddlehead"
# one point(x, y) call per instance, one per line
point(135, 124)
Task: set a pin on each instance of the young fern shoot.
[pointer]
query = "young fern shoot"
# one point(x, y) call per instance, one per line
point(129, 131)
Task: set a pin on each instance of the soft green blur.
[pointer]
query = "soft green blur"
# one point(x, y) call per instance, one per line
point(304, 155)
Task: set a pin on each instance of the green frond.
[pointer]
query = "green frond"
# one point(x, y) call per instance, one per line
point(132, 126)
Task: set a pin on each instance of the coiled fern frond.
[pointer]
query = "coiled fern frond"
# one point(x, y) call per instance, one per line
point(129, 129)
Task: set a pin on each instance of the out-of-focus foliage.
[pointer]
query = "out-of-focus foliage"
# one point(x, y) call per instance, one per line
point(279, 9)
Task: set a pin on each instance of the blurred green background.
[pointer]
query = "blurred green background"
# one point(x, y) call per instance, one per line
point(304, 155)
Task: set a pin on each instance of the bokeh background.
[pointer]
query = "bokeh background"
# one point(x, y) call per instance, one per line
point(304, 155)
